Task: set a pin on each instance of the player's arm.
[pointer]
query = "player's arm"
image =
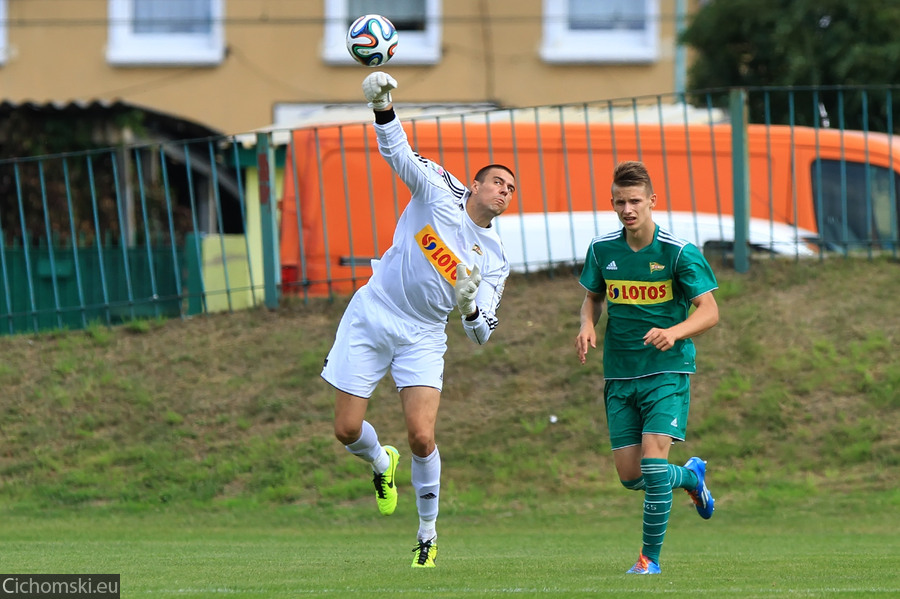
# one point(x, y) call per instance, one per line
point(704, 317)
point(591, 309)
point(393, 143)
point(419, 174)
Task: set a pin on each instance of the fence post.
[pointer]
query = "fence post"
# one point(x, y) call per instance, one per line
point(740, 169)
point(265, 164)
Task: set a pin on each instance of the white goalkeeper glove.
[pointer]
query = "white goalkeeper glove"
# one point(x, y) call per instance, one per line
point(466, 287)
point(377, 88)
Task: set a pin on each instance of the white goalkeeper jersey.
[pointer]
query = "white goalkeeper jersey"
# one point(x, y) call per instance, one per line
point(416, 275)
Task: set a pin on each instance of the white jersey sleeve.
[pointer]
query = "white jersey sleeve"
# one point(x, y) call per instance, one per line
point(426, 180)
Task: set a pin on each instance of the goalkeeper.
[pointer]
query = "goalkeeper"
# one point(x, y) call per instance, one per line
point(445, 253)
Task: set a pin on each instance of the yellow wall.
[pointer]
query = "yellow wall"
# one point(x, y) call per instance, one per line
point(231, 292)
point(239, 269)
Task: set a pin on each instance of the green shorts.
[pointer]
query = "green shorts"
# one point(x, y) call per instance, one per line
point(656, 404)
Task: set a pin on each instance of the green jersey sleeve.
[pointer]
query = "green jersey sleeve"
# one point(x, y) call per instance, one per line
point(694, 274)
point(592, 275)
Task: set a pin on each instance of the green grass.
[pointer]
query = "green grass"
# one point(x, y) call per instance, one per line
point(271, 553)
point(196, 457)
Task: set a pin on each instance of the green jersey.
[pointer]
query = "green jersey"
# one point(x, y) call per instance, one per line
point(652, 287)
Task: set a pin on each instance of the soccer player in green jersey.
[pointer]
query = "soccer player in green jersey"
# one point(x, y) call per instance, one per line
point(648, 279)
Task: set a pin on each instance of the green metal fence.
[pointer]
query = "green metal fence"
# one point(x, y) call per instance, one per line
point(70, 287)
point(220, 224)
point(112, 235)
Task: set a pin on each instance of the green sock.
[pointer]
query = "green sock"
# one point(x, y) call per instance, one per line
point(657, 505)
point(679, 477)
point(682, 478)
point(634, 485)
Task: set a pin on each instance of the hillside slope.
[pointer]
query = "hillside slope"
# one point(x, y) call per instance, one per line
point(798, 392)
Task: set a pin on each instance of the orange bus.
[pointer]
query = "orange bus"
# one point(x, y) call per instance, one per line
point(810, 189)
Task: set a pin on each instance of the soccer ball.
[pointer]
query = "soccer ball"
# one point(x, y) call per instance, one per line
point(372, 40)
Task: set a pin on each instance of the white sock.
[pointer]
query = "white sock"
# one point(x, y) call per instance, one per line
point(427, 530)
point(426, 480)
point(368, 448)
point(381, 463)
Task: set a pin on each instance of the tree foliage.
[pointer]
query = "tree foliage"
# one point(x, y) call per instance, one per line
point(63, 180)
point(821, 44)
point(40, 192)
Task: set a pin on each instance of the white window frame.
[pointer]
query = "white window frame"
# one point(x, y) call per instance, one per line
point(414, 47)
point(125, 48)
point(4, 36)
point(563, 45)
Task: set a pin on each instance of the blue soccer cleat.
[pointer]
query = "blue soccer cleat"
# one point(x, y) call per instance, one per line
point(644, 565)
point(701, 496)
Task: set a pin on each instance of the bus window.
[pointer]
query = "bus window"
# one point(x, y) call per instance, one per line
point(885, 205)
point(846, 217)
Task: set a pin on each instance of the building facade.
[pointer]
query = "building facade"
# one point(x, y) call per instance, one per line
point(233, 66)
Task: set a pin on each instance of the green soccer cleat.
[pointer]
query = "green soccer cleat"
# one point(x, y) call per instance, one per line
point(426, 552)
point(385, 487)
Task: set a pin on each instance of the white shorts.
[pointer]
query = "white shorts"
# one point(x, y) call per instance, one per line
point(372, 339)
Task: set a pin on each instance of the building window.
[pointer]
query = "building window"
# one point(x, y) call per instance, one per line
point(4, 47)
point(417, 21)
point(612, 31)
point(166, 32)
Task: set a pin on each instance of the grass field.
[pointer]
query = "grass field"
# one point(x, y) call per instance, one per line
point(273, 553)
point(196, 457)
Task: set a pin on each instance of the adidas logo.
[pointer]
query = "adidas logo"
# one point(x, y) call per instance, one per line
point(428, 496)
point(612, 266)
point(674, 422)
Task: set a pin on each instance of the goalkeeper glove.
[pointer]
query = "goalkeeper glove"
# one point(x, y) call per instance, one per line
point(377, 88)
point(466, 287)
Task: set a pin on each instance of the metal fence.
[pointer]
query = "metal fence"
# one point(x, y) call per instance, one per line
point(122, 233)
point(198, 226)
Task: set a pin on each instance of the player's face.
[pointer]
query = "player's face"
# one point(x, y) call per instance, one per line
point(634, 207)
point(493, 195)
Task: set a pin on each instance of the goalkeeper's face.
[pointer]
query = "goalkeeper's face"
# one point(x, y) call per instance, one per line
point(491, 197)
